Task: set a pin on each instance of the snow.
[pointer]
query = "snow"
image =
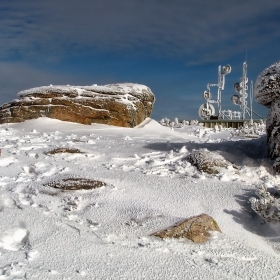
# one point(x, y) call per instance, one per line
point(118, 89)
point(106, 233)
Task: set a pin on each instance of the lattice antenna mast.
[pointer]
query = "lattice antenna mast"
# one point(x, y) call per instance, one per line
point(207, 110)
point(243, 90)
point(222, 71)
point(251, 100)
point(240, 99)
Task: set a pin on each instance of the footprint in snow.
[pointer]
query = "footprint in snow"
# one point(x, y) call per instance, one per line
point(39, 170)
point(50, 172)
point(12, 269)
point(31, 255)
point(93, 225)
point(7, 202)
point(27, 174)
point(26, 199)
point(15, 239)
point(6, 161)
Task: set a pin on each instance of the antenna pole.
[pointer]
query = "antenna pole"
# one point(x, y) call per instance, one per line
point(220, 87)
point(207, 110)
point(243, 93)
point(251, 100)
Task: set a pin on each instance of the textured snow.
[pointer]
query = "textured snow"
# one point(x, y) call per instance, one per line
point(105, 233)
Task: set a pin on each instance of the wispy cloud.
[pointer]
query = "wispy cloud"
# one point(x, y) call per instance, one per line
point(177, 28)
point(147, 41)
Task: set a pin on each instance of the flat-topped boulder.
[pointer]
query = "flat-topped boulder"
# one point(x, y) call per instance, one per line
point(124, 104)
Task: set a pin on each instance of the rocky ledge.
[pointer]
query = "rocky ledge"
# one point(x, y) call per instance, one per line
point(124, 105)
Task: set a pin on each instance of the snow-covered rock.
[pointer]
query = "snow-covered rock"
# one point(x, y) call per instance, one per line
point(267, 89)
point(209, 162)
point(268, 204)
point(267, 93)
point(124, 105)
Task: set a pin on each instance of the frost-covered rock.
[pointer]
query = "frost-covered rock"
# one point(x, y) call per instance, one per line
point(124, 105)
point(196, 229)
point(250, 130)
point(267, 89)
point(267, 93)
point(209, 162)
point(268, 204)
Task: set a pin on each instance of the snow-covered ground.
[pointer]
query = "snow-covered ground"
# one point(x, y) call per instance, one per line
point(105, 233)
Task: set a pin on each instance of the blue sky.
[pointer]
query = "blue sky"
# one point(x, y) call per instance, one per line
point(174, 47)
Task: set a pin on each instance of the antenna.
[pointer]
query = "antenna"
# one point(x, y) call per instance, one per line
point(251, 100)
point(242, 88)
point(207, 110)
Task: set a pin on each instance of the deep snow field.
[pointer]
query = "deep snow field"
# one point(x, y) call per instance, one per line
point(105, 233)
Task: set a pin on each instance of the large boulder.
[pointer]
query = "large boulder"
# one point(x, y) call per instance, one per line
point(267, 93)
point(124, 105)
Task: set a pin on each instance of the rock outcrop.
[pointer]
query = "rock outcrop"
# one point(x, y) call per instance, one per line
point(124, 105)
point(267, 93)
point(196, 229)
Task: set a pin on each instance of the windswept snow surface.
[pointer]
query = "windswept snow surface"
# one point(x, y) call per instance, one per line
point(105, 233)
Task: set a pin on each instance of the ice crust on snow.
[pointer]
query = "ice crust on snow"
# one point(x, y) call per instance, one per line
point(104, 233)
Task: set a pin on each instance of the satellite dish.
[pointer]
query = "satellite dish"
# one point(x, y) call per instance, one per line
point(206, 94)
point(235, 99)
point(242, 99)
point(226, 69)
point(205, 111)
point(237, 87)
point(245, 95)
